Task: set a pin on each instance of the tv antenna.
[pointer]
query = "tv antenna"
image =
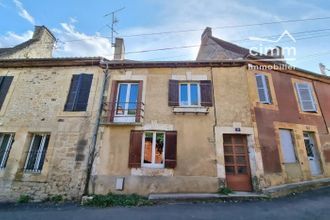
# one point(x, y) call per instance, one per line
point(114, 20)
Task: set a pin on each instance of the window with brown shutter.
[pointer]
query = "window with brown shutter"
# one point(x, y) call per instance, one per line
point(170, 149)
point(206, 93)
point(134, 159)
point(173, 93)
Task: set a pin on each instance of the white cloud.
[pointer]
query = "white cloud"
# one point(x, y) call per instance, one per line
point(23, 12)
point(11, 39)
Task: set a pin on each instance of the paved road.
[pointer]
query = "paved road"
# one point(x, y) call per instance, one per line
point(309, 205)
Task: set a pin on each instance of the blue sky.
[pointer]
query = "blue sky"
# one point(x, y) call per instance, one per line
point(81, 28)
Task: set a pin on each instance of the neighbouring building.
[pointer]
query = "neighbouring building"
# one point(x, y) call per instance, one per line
point(290, 113)
point(48, 119)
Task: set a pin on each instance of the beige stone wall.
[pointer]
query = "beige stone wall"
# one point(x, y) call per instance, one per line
point(196, 164)
point(42, 48)
point(35, 103)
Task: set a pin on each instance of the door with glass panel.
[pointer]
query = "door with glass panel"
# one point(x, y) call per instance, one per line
point(312, 154)
point(237, 166)
point(126, 102)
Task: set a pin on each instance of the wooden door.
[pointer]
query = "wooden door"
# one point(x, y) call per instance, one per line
point(238, 173)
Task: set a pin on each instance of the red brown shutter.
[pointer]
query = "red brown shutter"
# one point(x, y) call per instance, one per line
point(135, 148)
point(170, 149)
point(139, 103)
point(112, 104)
point(206, 92)
point(173, 93)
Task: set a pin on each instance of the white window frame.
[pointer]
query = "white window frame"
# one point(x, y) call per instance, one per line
point(310, 91)
point(7, 149)
point(125, 117)
point(153, 157)
point(39, 153)
point(265, 88)
point(189, 94)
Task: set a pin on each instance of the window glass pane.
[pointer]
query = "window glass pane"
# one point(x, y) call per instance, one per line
point(230, 169)
point(148, 136)
point(121, 99)
point(33, 152)
point(227, 139)
point(239, 149)
point(159, 148)
point(5, 146)
point(133, 96)
point(194, 94)
point(229, 159)
point(241, 159)
point(43, 153)
point(228, 150)
point(184, 94)
point(242, 169)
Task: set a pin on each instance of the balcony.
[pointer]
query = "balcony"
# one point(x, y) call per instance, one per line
point(122, 113)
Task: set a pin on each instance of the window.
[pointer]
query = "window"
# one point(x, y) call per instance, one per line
point(37, 152)
point(79, 92)
point(190, 94)
point(306, 99)
point(263, 89)
point(152, 149)
point(287, 145)
point(6, 141)
point(125, 102)
point(5, 82)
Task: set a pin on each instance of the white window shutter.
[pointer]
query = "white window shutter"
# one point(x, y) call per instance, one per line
point(287, 146)
point(306, 99)
point(262, 86)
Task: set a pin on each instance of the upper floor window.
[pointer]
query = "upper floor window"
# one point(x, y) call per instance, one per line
point(77, 99)
point(190, 94)
point(263, 89)
point(125, 101)
point(37, 153)
point(6, 141)
point(306, 98)
point(5, 82)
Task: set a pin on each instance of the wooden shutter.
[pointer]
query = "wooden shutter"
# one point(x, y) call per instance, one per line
point(139, 103)
point(83, 92)
point(73, 93)
point(135, 148)
point(170, 149)
point(306, 99)
point(112, 103)
point(206, 93)
point(263, 88)
point(173, 93)
point(5, 82)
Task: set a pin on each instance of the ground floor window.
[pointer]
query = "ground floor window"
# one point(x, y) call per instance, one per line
point(37, 152)
point(6, 141)
point(287, 145)
point(153, 149)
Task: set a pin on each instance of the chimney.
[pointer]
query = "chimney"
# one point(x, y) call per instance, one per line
point(207, 33)
point(119, 49)
point(276, 52)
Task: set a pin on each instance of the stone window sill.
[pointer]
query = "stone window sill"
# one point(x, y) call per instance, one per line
point(151, 172)
point(73, 114)
point(202, 110)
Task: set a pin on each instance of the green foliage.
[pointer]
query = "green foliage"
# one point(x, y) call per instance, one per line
point(118, 200)
point(56, 198)
point(24, 199)
point(224, 191)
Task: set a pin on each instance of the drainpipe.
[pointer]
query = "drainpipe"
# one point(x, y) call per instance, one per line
point(317, 97)
point(93, 153)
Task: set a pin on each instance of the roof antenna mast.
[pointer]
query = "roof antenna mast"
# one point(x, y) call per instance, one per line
point(114, 20)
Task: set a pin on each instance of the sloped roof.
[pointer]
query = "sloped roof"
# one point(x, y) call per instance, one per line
point(230, 46)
